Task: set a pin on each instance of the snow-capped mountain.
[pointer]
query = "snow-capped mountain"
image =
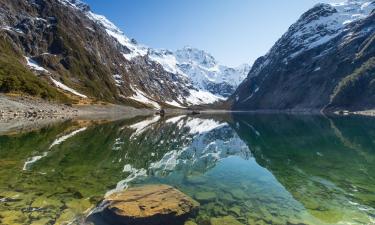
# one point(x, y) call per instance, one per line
point(211, 81)
point(202, 69)
point(310, 66)
point(323, 23)
point(193, 145)
point(77, 54)
point(191, 95)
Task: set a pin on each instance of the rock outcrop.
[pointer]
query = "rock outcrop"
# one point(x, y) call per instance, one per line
point(151, 204)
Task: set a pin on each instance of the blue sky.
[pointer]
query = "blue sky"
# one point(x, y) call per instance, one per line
point(233, 31)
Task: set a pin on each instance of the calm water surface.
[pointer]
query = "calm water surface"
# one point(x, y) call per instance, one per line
point(259, 169)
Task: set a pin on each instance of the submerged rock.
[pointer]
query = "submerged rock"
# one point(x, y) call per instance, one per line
point(196, 179)
point(238, 194)
point(190, 223)
point(235, 210)
point(152, 204)
point(226, 220)
point(205, 196)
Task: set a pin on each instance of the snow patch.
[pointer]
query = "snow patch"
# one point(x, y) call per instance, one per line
point(66, 88)
point(167, 60)
point(112, 30)
point(124, 184)
point(11, 29)
point(140, 96)
point(252, 94)
point(200, 97)
point(117, 144)
point(66, 137)
point(168, 162)
point(35, 66)
point(118, 80)
point(175, 119)
point(200, 126)
point(58, 141)
point(141, 127)
point(174, 103)
point(32, 160)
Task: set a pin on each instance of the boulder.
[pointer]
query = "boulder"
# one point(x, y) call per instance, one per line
point(151, 204)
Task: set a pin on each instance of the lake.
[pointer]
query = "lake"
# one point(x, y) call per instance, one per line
point(257, 169)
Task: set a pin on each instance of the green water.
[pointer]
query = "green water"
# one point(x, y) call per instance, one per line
point(257, 169)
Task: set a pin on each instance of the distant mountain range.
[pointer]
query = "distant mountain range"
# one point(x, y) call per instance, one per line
point(325, 61)
point(77, 54)
point(61, 50)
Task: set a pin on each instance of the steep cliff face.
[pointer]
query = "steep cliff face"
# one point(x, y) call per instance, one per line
point(77, 54)
point(325, 61)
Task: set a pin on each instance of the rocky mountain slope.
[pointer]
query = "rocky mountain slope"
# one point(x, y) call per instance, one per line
point(60, 49)
point(325, 61)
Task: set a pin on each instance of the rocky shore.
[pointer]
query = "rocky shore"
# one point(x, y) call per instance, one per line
point(24, 113)
point(17, 107)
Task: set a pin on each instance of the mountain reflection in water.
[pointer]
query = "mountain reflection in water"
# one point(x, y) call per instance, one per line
point(260, 169)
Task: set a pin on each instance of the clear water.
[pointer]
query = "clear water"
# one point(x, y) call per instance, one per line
point(257, 169)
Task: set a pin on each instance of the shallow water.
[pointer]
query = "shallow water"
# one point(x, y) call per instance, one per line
point(258, 169)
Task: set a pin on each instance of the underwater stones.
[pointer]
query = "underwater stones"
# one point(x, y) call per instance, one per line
point(226, 220)
point(151, 204)
point(312, 204)
point(196, 179)
point(226, 197)
point(251, 221)
point(213, 209)
point(249, 204)
point(66, 217)
point(44, 202)
point(42, 221)
point(79, 205)
point(238, 194)
point(235, 210)
point(190, 223)
point(12, 217)
point(205, 196)
point(331, 216)
point(219, 211)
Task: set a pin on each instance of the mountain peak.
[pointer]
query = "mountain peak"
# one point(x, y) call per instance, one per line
point(78, 4)
point(313, 65)
point(193, 55)
point(321, 24)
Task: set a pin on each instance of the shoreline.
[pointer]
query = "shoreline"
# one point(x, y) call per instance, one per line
point(24, 113)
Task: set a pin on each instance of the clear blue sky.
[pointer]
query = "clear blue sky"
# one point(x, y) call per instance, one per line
point(233, 31)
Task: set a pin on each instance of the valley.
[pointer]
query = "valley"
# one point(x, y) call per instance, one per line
point(98, 128)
